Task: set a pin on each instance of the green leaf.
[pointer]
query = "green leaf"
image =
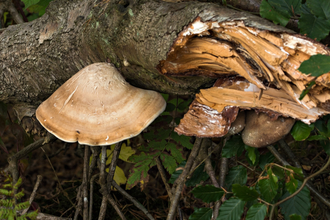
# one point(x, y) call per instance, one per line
point(314, 27)
point(161, 134)
point(244, 193)
point(320, 8)
point(295, 217)
point(168, 162)
point(184, 105)
point(208, 193)
point(268, 187)
point(316, 65)
point(268, 12)
point(170, 107)
point(198, 176)
point(39, 8)
point(251, 153)
point(296, 170)
point(278, 172)
point(175, 152)
point(287, 7)
point(317, 138)
point(237, 175)
point(265, 159)
point(257, 212)
point(183, 140)
point(234, 146)
point(326, 146)
point(292, 184)
point(177, 172)
point(28, 3)
point(301, 131)
point(231, 209)
point(306, 91)
point(165, 96)
point(201, 214)
point(299, 204)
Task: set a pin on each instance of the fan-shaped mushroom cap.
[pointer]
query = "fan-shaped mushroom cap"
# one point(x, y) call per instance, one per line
point(98, 107)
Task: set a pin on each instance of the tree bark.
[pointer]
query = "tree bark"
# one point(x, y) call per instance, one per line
point(39, 56)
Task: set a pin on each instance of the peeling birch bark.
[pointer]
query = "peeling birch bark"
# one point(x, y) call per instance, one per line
point(268, 60)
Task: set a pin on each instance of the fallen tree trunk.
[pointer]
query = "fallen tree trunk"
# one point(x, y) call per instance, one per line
point(173, 48)
point(37, 57)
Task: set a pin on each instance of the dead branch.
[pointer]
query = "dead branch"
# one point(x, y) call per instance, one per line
point(179, 183)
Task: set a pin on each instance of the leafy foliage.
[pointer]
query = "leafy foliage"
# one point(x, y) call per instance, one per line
point(236, 175)
point(314, 15)
point(36, 7)
point(231, 209)
point(160, 142)
point(257, 212)
point(316, 65)
point(8, 206)
point(299, 204)
point(208, 193)
point(234, 146)
point(244, 193)
point(201, 214)
point(301, 131)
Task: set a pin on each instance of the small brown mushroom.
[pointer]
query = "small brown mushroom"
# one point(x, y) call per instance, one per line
point(261, 130)
point(98, 107)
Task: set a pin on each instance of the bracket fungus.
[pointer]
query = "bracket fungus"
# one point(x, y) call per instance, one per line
point(256, 67)
point(98, 107)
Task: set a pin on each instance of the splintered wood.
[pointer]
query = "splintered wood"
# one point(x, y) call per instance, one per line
point(269, 61)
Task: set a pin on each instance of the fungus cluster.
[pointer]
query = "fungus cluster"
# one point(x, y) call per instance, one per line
point(256, 69)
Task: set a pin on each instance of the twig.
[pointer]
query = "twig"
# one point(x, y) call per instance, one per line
point(65, 147)
point(206, 143)
point(309, 185)
point(223, 171)
point(103, 208)
point(79, 205)
point(163, 176)
point(203, 152)
point(181, 179)
point(33, 195)
point(133, 200)
point(301, 187)
point(104, 189)
point(96, 153)
point(85, 182)
point(113, 164)
point(13, 160)
point(91, 191)
point(59, 183)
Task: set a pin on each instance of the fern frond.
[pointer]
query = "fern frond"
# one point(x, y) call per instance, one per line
point(22, 205)
point(32, 215)
point(7, 214)
point(9, 203)
point(18, 183)
point(19, 195)
point(9, 185)
point(6, 192)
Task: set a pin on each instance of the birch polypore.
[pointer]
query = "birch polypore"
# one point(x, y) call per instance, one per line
point(98, 107)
